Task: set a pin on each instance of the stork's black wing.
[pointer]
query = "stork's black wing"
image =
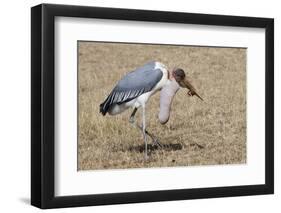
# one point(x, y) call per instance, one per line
point(132, 85)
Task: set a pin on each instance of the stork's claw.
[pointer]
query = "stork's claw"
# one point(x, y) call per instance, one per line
point(132, 119)
point(156, 142)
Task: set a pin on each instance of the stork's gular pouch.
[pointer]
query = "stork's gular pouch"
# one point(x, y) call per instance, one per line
point(166, 98)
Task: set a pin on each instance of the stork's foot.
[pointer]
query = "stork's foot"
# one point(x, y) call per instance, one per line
point(156, 142)
point(146, 158)
point(132, 119)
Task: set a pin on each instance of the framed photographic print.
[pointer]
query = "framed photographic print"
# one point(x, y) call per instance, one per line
point(139, 106)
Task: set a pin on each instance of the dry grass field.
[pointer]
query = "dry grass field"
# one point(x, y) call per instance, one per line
point(198, 133)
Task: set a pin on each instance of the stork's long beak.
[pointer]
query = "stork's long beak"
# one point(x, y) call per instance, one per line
point(192, 91)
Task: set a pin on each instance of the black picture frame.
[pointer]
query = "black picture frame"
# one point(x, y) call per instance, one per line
point(43, 102)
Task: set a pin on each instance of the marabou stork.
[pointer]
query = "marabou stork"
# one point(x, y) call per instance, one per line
point(136, 87)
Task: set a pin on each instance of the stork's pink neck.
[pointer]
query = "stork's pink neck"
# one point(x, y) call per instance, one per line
point(170, 75)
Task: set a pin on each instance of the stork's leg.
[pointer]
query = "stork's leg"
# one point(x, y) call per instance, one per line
point(153, 138)
point(143, 131)
point(132, 117)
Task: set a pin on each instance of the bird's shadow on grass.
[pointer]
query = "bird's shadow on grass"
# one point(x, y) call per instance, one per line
point(152, 147)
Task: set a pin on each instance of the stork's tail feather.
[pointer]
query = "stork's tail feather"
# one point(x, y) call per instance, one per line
point(103, 109)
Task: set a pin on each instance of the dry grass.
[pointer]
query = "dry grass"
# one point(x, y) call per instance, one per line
point(198, 133)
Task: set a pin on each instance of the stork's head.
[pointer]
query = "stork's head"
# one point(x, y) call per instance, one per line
point(178, 79)
point(179, 75)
